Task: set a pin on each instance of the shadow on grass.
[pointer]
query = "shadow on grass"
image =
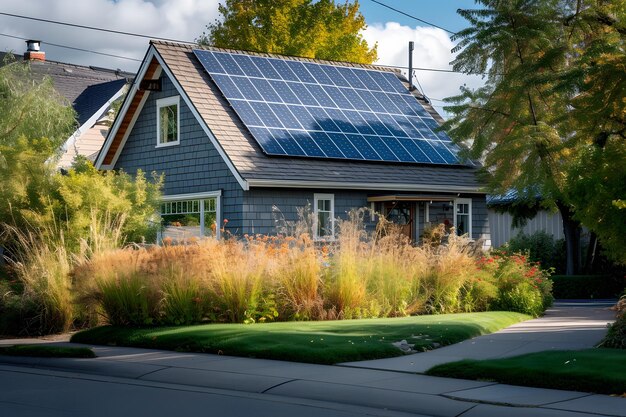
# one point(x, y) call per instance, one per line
point(47, 351)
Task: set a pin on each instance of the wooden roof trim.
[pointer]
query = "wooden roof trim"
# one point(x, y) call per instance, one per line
point(128, 112)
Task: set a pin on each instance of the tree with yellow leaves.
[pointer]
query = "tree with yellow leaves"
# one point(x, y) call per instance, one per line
point(312, 29)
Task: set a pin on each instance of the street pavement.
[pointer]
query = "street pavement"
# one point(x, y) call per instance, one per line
point(128, 381)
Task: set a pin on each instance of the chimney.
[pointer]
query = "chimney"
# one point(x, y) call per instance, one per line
point(33, 52)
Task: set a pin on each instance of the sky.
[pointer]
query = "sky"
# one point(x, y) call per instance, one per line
point(185, 20)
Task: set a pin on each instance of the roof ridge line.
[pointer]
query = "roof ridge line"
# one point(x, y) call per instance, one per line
point(278, 56)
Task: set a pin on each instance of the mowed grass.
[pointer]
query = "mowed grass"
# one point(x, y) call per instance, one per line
point(46, 351)
point(322, 342)
point(600, 371)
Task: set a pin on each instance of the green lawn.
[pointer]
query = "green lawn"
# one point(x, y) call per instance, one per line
point(324, 342)
point(593, 370)
point(46, 351)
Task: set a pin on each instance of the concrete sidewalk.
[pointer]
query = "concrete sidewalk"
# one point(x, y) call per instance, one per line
point(387, 391)
point(565, 326)
point(372, 389)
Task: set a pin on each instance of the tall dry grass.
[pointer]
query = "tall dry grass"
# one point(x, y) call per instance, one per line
point(364, 273)
point(43, 267)
point(43, 263)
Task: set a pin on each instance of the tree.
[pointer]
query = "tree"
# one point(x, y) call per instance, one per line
point(597, 178)
point(30, 108)
point(525, 123)
point(313, 29)
point(512, 122)
point(34, 122)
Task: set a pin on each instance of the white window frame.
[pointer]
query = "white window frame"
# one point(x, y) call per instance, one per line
point(317, 197)
point(467, 201)
point(202, 197)
point(165, 102)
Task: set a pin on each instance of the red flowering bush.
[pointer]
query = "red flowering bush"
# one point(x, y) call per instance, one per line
point(522, 285)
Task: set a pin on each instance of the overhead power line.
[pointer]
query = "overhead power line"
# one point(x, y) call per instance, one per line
point(182, 41)
point(75, 49)
point(119, 32)
point(412, 17)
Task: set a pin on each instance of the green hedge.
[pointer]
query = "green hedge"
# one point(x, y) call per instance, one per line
point(587, 286)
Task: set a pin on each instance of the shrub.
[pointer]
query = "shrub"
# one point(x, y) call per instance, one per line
point(616, 336)
point(587, 286)
point(522, 285)
point(541, 248)
point(19, 314)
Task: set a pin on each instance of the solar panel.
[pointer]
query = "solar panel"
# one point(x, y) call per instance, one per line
point(306, 109)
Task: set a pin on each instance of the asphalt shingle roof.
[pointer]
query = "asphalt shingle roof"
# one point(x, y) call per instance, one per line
point(250, 161)
point(87, 88)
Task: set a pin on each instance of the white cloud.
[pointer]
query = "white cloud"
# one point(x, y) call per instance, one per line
point(176, 19)
point(432, 50)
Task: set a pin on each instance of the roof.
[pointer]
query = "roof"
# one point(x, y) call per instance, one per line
point(87, 88)
point(258, 169)
point(512, 197)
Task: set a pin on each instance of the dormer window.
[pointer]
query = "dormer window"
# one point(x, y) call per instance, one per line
point(168, 121)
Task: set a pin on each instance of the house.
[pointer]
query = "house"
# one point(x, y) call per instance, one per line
point(502, 225)
point(239, 135)
point(90, 90)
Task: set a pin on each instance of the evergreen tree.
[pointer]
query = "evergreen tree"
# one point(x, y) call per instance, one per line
point(314, 29)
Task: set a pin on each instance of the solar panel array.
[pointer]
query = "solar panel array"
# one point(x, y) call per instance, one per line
point(316, 110)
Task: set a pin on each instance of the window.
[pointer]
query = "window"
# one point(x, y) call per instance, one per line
point(185, 219)
point(324, 216)
point(168, 121)
point(463, 216)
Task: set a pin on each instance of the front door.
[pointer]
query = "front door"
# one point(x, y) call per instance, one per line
point(401, 213)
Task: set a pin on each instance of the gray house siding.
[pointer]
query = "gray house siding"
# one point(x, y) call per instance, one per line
point(264, 209)
point(503, 230)
point(480, 220)
point(193, 166)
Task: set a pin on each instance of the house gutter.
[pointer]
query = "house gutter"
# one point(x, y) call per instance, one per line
point(263, 183)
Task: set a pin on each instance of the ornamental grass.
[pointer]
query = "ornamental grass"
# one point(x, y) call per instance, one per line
point(365, 272)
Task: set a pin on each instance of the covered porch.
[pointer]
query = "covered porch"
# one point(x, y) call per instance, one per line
point(417, 212)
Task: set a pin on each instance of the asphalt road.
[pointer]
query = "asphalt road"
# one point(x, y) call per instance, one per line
point(28, 392)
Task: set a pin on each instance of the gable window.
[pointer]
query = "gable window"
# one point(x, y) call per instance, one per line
point(168, 121)
point(324, 216)
point(463, 216)
point(184, 219)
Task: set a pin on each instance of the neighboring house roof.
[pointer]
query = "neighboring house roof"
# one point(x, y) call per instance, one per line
point(511, 197)
point(90, 90)
point(250, 165)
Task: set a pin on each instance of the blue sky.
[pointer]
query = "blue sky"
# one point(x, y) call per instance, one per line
point(440, 12)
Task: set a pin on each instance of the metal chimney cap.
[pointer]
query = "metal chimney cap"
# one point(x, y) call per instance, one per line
point(33, 45)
